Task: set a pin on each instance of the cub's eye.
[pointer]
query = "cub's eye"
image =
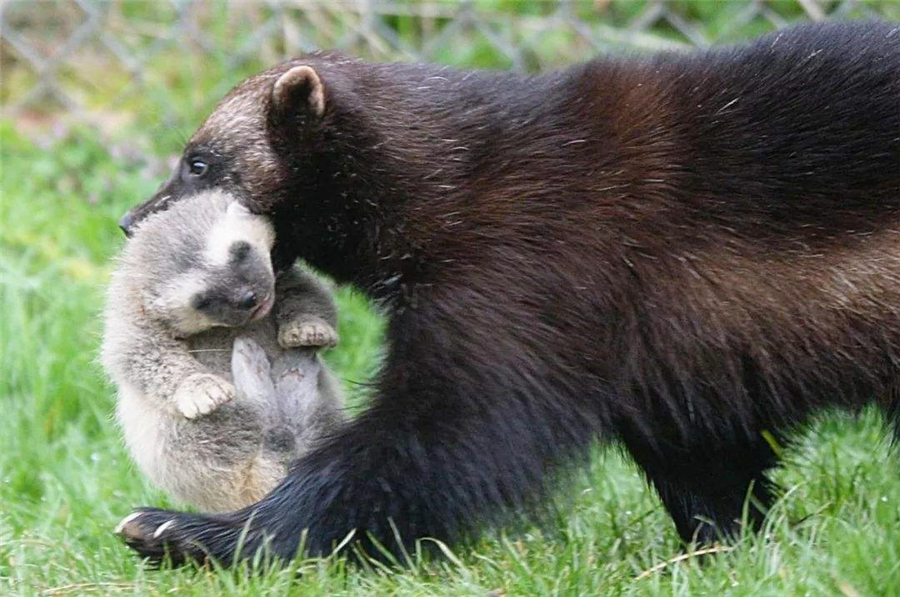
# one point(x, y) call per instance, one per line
point(197, 167)
point(201, 302)
point(240, 250)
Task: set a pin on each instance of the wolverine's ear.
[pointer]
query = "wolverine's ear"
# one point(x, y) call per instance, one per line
point(299, 90)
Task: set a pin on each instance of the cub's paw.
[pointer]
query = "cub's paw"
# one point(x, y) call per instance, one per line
point(307, 332)
point(201, 393)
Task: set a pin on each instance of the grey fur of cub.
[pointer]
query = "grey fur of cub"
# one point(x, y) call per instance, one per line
point(219, 382)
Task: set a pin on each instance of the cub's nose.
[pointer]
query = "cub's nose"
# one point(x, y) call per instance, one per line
point(248, 300)
point(125, 223)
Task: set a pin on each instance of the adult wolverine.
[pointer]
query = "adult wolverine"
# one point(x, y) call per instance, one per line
point(678, 253)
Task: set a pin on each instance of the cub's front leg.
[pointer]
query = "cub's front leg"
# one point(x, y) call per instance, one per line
point(199, 394)
point(304, 311)
point(147, 356)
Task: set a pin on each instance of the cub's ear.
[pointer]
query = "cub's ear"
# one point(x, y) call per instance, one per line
point(299, 91)
point(236, 209)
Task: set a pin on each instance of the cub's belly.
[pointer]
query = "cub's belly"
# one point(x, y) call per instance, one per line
point(213, 347)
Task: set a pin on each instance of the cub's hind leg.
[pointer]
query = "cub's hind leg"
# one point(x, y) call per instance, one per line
point(252, 374)
point(705, 487)
point(275, 444)
point(309, 394)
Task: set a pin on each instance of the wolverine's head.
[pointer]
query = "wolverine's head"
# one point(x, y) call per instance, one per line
point(239, 148)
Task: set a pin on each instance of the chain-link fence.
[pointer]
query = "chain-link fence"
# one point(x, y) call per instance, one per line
point(91, 59)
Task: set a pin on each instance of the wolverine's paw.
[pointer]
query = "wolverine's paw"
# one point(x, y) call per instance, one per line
point(202, 393)
point(307, 332)
point(158, 535)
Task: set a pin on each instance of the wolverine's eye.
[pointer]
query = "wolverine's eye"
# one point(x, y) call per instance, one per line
point(197, 167)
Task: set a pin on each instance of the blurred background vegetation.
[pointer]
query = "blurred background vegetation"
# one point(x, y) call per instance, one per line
point(96, 97)
point(155, 66)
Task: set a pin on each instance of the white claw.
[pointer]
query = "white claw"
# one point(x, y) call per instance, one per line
point(161, 528)
point(124, 521)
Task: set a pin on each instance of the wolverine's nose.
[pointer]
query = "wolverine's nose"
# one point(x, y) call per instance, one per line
point(125, 223)
point(248, 300)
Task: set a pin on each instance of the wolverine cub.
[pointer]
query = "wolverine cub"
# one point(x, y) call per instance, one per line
point(220, 385)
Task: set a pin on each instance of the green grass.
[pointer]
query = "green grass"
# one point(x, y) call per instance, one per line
point(65, 479)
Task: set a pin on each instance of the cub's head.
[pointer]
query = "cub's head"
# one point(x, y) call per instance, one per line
point(204, 263)
point(241, 147)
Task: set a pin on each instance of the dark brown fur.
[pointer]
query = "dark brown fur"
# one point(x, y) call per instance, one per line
point(679, 253)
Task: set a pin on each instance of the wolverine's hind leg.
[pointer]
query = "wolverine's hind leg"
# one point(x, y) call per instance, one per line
point(705, 487)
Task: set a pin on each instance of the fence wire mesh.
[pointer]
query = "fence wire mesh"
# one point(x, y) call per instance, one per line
point(81, 58)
